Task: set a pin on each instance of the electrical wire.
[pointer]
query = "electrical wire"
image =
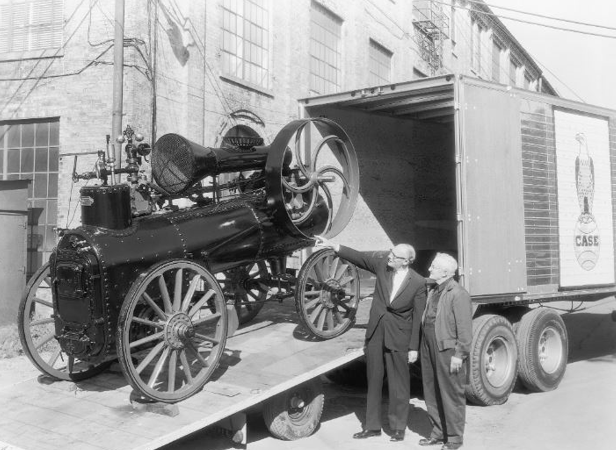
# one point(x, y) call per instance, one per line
point(543, 16)
point(500, 16)
point(504, 30)
point(10, 99)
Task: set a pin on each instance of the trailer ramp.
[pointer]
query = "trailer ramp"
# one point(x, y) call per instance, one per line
point(264, 358)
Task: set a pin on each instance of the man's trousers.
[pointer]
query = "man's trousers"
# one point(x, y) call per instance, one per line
point(443, 391)
point(379, 359)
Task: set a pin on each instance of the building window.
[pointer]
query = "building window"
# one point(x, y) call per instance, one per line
point(245, 40)
point(497, 51)
point(527, 81)
point(380, 64)
point(29, 151)
point(325, 55)
point(27, 25)
point(476, 33)
point(513, 72)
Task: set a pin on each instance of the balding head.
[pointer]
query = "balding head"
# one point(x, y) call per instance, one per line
point(402, 255)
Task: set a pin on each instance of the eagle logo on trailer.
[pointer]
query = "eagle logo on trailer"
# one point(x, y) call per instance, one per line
point(586, 234)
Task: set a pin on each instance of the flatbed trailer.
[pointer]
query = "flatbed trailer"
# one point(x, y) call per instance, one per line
point(268, 361)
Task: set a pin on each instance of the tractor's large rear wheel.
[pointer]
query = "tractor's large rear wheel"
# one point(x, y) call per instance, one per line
point(327, 294)
point(248, 287)
point(172, 330)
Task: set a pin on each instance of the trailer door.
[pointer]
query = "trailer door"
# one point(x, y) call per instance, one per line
point(493, 247)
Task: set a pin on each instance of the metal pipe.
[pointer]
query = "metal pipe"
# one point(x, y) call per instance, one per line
point(118, 80)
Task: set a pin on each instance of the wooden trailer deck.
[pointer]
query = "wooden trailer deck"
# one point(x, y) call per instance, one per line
point(266, 357)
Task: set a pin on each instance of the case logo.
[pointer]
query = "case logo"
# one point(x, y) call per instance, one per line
point(586, 232)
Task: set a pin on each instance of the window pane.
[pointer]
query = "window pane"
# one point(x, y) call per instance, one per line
point(27, 135)
point(40, 185)
point(30, 184)
point(41, 160)
point(52, 211)
point(42, 135)
point(53, 185)
point(36, 213)
point(325, 30)
point(14, 134)
point(53, 159)
point(3, 130)
point(27, 160)
point(12, 163)
point(54, 133)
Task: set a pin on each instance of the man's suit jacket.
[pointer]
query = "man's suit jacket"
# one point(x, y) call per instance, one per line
point(400, 320)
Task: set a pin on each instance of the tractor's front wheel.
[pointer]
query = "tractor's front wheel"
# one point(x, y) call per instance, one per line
point(172, 330)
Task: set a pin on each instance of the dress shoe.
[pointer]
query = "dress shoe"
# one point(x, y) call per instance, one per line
point(366, 434)
point(431, 441)
point(451, 446)
point(397, 436)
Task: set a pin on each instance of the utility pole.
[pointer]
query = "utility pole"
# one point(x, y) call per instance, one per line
point(118, 83)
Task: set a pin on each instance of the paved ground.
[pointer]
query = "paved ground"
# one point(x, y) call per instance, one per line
point(580, 414)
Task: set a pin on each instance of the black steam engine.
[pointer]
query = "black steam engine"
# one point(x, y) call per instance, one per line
point(160, 273)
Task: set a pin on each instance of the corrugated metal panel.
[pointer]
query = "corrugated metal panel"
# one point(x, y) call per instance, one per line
point(540, 202)
point(430, 99)
point(495, 260)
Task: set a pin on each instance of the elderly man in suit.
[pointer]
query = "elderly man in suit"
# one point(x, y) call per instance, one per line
point(392, 335)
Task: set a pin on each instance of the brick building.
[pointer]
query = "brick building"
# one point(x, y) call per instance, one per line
point(201, 68)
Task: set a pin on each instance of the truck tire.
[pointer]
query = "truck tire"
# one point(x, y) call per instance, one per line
point(493, 361)
point(295, 413)
point(543, 349)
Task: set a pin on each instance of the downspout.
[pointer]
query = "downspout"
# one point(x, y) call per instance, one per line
point(118, 83)
point(154, 57)
point(459, 132)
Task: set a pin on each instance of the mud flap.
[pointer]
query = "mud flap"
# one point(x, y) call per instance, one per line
point(232, 320)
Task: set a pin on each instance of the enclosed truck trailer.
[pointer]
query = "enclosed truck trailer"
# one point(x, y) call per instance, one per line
point(518, 185)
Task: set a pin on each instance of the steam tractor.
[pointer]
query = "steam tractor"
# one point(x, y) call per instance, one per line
point(159, 273)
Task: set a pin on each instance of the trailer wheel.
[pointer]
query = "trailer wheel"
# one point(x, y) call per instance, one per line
point(327, 294)
point(172, 330)
point(543, 349)
point(296, 413)
point(247, 285)
point(36, 328)
point(493, 361)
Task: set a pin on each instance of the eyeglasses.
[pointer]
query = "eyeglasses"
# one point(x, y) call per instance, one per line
point(394, 256)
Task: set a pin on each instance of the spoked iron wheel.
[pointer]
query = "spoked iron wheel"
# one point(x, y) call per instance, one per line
point(247, 285)
point(327, 294)
point(315, 176)
point(37, 333)
point(172, 330)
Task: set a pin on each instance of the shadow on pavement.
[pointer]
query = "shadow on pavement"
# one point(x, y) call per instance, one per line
point(591, 335)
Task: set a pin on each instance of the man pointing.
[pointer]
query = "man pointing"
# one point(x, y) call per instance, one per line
point(392, 335)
